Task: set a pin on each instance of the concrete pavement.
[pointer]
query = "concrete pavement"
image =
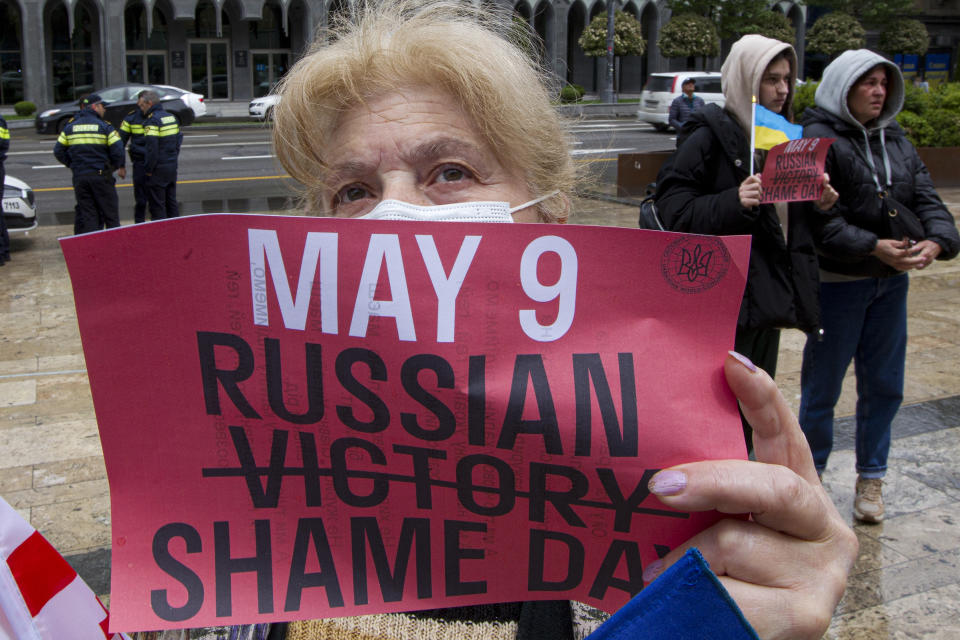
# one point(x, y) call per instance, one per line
point(906, 583)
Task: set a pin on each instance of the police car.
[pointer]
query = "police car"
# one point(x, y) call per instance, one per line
point(19, 206)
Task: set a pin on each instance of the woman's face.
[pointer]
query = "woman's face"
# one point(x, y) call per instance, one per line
point(416, 146)
point(775, 85)
point(866, 97)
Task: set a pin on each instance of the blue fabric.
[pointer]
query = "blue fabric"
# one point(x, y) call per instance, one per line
point(866, 321)
point(686, 602)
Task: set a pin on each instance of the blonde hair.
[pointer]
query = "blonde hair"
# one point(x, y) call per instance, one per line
point(453, 47)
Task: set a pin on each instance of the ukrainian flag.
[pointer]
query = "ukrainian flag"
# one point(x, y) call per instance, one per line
point(771, 129)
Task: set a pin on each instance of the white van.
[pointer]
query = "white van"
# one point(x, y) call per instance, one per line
point(662, 88)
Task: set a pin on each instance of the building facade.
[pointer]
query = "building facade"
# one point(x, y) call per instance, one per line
point(59, 50)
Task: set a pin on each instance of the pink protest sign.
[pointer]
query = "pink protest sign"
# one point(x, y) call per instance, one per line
point(793, 170)
point(308, 417)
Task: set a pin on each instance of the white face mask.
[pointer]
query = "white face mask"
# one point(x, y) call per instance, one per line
point(456, 212)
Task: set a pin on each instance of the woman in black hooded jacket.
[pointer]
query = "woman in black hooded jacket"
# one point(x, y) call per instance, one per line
point(706, 187)
point(864, 260)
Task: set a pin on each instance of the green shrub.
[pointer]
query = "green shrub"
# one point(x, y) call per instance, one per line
point(946, 96)
point(932, 119)
point(803, 98)
point(919, 131)
point(916, 100)
point(571, 93)
point(946, 128)
point(24, 108)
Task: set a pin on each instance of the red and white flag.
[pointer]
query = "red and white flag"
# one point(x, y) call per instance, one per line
point(41, 596)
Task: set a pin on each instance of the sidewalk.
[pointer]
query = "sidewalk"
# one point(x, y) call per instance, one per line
point(906, 583)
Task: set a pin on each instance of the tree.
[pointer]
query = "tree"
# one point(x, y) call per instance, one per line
point(688, 36)
point(835, 33)
point(905, 36)
point(773, 25)
point(874, 13)
point(731, 17)
point(627, 36)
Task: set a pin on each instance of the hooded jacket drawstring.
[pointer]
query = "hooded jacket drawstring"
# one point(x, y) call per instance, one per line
point(873, 166)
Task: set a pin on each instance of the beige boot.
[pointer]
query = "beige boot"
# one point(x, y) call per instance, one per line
point(868, 505)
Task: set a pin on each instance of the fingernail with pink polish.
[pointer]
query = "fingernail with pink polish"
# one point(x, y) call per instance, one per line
point(653, 569)
point(668, 483)
point(744, 360)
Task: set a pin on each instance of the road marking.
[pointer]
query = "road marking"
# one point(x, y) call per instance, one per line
point(247, 157)
point(204, 181)
point(223, 144)
point(580, 152)
point(204, 135)
point(49, 166)
point(286, 177)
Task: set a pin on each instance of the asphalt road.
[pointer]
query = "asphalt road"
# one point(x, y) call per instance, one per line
point(233, 169)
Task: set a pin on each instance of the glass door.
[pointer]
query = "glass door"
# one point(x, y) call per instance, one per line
point(268, 68)
point(147, 68)
point(210, 68)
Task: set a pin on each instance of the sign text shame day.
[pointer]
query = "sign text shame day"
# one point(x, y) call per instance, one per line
point(307, 418)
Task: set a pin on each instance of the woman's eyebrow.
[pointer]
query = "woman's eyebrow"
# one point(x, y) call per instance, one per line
point(446, 147)
point(423, 153)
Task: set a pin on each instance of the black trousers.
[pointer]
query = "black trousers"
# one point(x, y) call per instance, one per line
point(4, 236)
point(97, 203)
point(162, 193)
point(139, 192)
point(762, 347)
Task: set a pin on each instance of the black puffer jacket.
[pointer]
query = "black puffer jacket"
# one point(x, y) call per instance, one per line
point(847, 234)
point(698, 192)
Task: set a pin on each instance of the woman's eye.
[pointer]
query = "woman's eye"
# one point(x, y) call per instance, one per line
point(452, 174)
point(352, 193)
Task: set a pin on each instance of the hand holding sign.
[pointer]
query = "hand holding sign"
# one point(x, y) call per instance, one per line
point(793, 170)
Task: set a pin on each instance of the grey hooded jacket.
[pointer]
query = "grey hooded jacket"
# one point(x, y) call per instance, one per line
point(865, 161)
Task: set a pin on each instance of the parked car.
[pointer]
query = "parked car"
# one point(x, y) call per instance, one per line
point(185, 105)
point(192, 99)
point(662, 88)
point(262, 108)
point(19, 205)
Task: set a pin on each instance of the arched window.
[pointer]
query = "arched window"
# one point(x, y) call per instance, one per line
point(146, 59)
point(11, 54)
point(268, 33)
point(209, 52)
point(269, 50)
point(72, 53)
point(204, 23)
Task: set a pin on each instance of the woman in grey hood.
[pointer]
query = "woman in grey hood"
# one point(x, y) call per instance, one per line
point(864, 260)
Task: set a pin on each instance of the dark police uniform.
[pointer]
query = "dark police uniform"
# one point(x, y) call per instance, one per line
point(92, 149)
point(131, 132)
point(162, 138)
point(4, 146)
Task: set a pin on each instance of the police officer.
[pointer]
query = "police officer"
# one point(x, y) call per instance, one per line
point(131, 132)
point(93, 150)
point(162, 138)
point(4, 145)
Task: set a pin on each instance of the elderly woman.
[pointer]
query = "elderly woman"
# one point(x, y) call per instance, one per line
point(864, 262)
point(430, 113)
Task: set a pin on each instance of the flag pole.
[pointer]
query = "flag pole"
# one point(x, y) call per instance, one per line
point(753, 129)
